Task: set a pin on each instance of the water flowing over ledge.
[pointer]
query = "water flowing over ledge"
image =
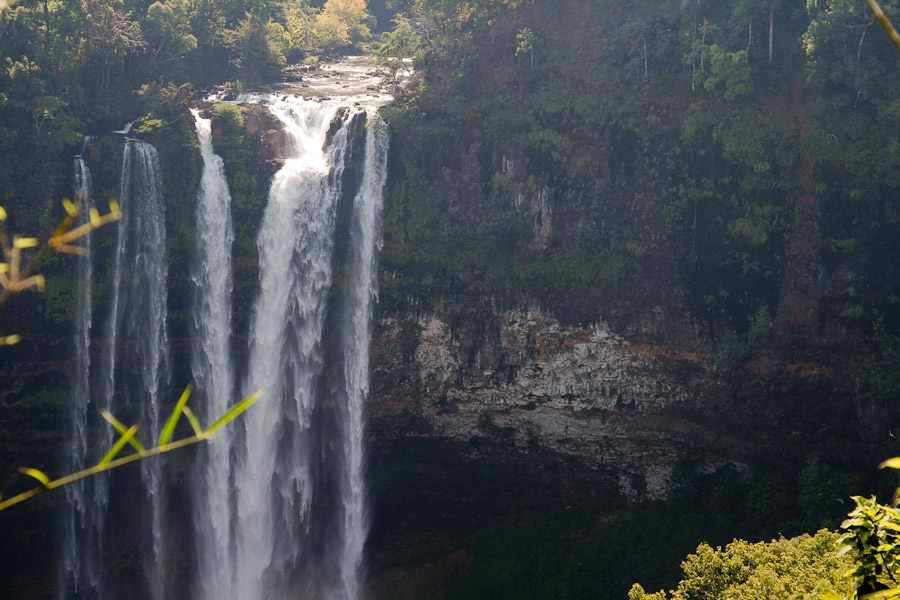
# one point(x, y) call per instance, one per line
point(277, 505)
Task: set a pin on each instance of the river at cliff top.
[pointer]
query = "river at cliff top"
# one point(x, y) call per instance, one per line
point(351, 77)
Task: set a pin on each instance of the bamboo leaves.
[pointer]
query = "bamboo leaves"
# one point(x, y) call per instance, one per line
point(39, 475)
point(16, 273)
point(121, 429)
point(169, 427)
point(233, 412)
point(126, 437)
point(118, 446)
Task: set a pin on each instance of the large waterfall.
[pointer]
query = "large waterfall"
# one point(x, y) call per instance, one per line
point(277, 501)
point(298, 523)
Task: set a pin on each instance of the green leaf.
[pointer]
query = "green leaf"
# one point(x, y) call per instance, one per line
point(234, 411)
point(891, 463)
point(882, 594)
point(118, 446)
point(169, 428)
point(121, 429)
point(193, 420)
point(39, 475)
point(831, 596)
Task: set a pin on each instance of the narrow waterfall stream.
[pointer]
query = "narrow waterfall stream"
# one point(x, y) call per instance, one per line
point(142, 310)
point(212, 366)
point(276, 505)
point(128, 380)
point(356, 334)
point(80, 566)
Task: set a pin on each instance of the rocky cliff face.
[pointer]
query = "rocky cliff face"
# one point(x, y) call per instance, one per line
point(521, 381)
point(585, 266)
point(569, 314)
point(531, 384)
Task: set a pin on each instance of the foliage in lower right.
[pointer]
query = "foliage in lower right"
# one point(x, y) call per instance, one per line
point(783, 569)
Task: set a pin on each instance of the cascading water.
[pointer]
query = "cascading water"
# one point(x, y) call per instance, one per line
point(212, 366)
point(356, 335)
point(278, 499)
point(129, 379)
point(133, 374)
point(80, 566)
point(298, 523)
point(145, 321)
point(275, 474)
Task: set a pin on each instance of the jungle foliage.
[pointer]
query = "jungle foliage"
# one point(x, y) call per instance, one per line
point(736, 160)
point(68, 69)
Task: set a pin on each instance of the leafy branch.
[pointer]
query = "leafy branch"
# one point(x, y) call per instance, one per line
point(16, 277)
point(872, 532)
point(109, 460)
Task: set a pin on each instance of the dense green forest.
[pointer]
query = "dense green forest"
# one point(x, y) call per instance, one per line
point(742, 124)
point(734, 164)
point(737, 118)
point(71, 68)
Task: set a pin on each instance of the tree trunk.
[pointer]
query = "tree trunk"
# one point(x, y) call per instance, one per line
point(702, 49)
point(771, 29)
point(693, 57)
point(862, 38)
point(644, 40)
point(749, 36)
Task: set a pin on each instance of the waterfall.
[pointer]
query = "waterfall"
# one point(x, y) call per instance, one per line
point(356, 334)
point(212, 366)
point(145, 324)
point(274, 475)
point(128, 380)
point(80, 563)
point(298, 522)
point(294, 464)
point(133, 373)
point(277, 500)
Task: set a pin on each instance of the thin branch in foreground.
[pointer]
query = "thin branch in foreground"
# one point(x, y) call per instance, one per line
point(885, 22)
point(127, 437)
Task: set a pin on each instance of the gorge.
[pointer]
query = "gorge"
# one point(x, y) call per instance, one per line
point(632, 287)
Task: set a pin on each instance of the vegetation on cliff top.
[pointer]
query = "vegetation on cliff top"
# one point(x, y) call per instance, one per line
point(733, 164)
point(67, 69)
